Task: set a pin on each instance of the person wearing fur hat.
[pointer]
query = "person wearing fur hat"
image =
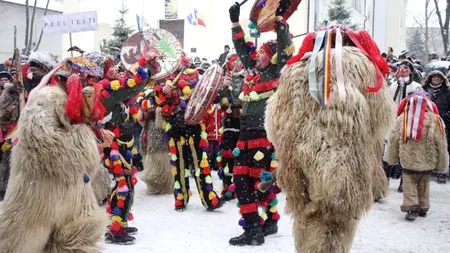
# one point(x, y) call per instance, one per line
point(5, 77)
point(187, 143)
point(116, 95)
point(418, 143)
point(254, 152)
point(231, 105)
point(437, 85)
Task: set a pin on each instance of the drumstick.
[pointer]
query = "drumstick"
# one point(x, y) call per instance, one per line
point(243, 2)
point(177, 78)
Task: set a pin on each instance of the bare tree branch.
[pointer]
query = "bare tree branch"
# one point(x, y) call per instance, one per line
point(15, 36)
point(27, 24)
point(42, 30)
point(30, 40)
point(443, 24)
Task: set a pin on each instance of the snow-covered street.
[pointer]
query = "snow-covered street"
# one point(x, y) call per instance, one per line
point(384, 229)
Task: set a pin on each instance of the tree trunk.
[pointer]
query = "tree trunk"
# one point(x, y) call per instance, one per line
point(15, 36)
point(42, 30)
point(30, 40)
point(427, 38)
point(27, 25)
point(443, 24)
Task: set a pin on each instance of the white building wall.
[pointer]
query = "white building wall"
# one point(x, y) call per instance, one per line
point(14, 14)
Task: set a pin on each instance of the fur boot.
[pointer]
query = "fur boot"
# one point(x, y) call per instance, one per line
point(324, 167)
point(157, 173)
point(49, 205)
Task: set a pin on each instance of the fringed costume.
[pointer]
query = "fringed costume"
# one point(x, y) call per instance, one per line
point(254, 152)
point(231, 104)
point(327, 120)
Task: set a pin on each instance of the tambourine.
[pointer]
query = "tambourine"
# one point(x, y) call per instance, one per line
point(203, 94)
point(169, 51)
point(263, 13)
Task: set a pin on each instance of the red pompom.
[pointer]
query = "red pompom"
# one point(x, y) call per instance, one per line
point(116, 132)
point(122, 183)
point(276, 216)
point(307, 46)
point(130, 216)
point(133, 110)
point(142, 62)
point(162, 98)
point(253, 55)
point(178, 203)
point(144, 138)
point(114, 145)
point(182, 84)
point(134, 181)
point(165, 109)
point(74, 102)
point(120, 203)
point(173, 150)
point(118, 170)
point(206, 171)
point(158, 88)
point(137, 79)
point(215, 201)
point(108, 209)
point(116, 227)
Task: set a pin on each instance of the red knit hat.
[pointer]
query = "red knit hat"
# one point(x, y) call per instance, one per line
point(270, 47)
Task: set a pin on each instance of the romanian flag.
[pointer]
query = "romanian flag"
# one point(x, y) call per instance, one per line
point(195, 19)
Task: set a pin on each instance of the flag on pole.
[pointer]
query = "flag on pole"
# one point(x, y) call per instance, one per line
point(195, 19)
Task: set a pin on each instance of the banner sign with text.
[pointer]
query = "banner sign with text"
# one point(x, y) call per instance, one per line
point(70, 23)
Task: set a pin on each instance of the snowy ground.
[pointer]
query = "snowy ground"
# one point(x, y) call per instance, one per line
point(163, 230)
point(383, 230)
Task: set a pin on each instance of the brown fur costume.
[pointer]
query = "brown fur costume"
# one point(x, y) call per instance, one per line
point(327, 155)
point(48, 205)
point(157, 174)
point(101, 184)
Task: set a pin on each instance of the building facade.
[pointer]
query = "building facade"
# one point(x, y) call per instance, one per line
point(12, 13)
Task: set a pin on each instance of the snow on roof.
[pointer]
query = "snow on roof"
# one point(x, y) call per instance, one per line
point(54, 5)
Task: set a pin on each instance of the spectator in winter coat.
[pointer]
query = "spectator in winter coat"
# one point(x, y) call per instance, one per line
point(420, 151)
point(437, 85)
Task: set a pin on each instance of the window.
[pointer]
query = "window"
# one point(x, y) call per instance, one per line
point(358, 5)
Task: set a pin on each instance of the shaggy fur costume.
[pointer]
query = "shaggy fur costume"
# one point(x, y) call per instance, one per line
point(327, 155)
point(101, 184)
point(48, 206)
point(9, 114)
point(157, 173)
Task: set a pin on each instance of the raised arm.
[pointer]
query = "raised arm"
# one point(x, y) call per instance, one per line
point(238, 36)
point(285, 46)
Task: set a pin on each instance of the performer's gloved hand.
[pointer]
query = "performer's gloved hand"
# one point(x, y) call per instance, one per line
point(235, 11)
point(284, 6)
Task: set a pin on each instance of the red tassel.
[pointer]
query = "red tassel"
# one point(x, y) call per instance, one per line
point(74, 103)
point(116, 227)
point(276, 216)
point(108, 209)
point(122, 183)
point(215, 201)
point(173, 150)
point(206, 171)
point(130, 216)
point(144, 138)
point(307, 46)
point(178, 203)
point(120, 203)
point(203, 143)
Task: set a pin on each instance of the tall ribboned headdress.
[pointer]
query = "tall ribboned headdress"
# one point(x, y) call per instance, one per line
point(413, 108)
point(324, 39)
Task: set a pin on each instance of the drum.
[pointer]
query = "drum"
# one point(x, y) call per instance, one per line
point(168, 47)
point(263, 13)
point(203, 94)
